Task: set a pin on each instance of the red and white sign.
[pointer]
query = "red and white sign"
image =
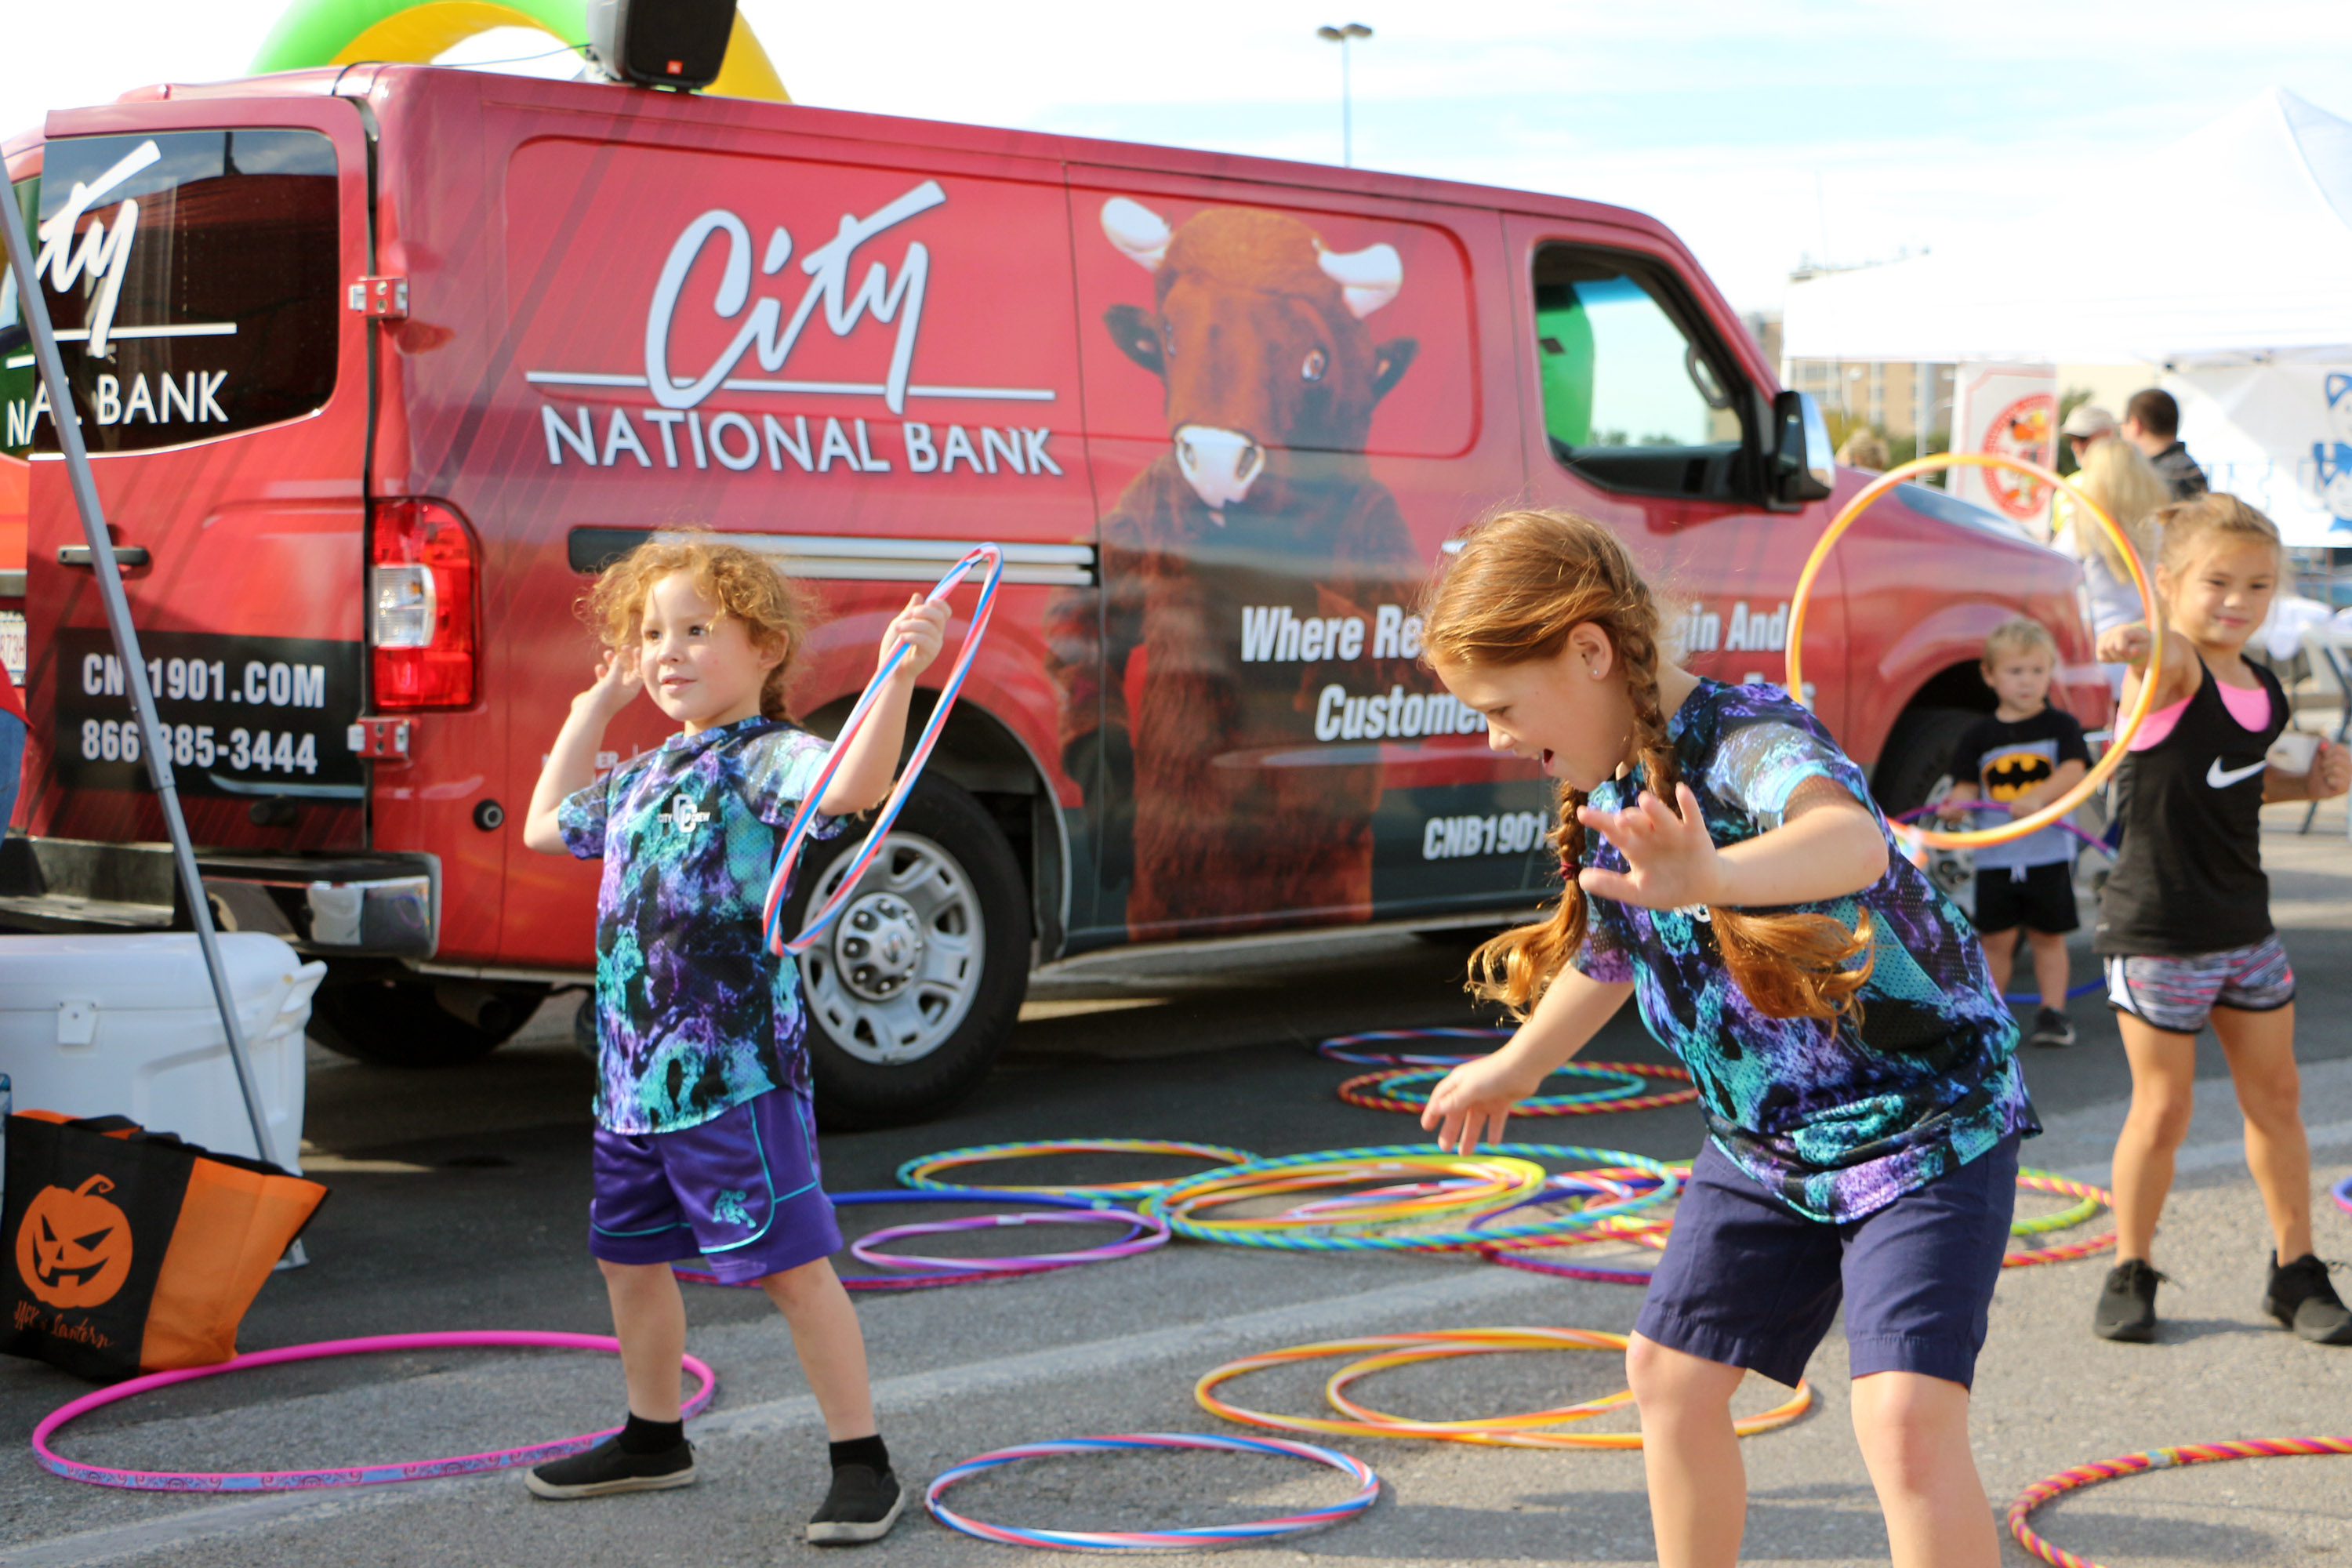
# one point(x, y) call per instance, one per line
point(2006, 411)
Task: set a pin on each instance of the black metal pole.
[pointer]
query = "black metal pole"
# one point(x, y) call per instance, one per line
point(21, 257)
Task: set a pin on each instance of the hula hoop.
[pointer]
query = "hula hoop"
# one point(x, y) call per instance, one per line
point(2043, 1181)
point(351, 1476)
point(1178, 1203)
point(941, 1275)
point(2089, 1202)
point(1499, 1433)
point(2342, 1193)
point(1378, 1091)
point(1343, 1047)
point(918, 1173)
point(796, 834)
point(1651, 1232)
point(1187, 1538)
point(1491, 1180)
point(2091, 840)
point(1144, 1232)
point(2117, 749)
point(2064, 1481)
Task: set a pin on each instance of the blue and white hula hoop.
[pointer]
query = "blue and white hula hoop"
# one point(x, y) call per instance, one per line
point(1188, 1538)
point(796, 834)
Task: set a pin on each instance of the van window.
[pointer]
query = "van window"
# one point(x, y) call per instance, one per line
point(192, 278)
point(1632, 401)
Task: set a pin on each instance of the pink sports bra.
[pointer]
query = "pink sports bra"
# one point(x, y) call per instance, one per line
point(2248, 705)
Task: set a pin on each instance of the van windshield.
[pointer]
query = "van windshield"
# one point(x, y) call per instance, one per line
point(192, 279)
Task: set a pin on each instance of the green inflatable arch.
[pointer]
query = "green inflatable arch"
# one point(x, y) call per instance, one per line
point(414, 32)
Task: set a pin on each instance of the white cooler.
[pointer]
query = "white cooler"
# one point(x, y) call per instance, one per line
point(126, 1025)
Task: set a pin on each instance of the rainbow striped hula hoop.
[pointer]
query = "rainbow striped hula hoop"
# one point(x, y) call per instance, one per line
point(1649, 1233)
point(352, 1476)
point(1386, 1090)
point(1188, 1538)
point(2342, 1193)
point(796, 834)
point(920, 1173)
point(2043, 1181)
point(1144, 1232)
point(1469, 1184)
point(1181, 1202)
point(938, 1270)
point(1380, 1350)
point(2087, 1207)
point(2098, 1470)
point(1349, 1047)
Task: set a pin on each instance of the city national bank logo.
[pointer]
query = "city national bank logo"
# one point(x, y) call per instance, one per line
point(96, 258)
point(686, 429)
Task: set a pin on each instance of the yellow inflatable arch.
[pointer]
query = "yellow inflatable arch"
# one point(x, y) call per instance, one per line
point(414, 32)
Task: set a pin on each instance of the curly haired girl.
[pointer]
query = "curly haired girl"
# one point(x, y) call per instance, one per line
point(1856, 1067)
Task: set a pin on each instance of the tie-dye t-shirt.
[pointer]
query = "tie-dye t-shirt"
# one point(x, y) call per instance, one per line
point(1838, 1120)
point(694, 1014)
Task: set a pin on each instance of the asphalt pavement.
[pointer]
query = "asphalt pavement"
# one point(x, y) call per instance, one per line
point(459, 1201)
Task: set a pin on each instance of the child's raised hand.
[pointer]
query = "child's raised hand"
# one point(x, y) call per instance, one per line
point(2125, 644)
point(1473, 1102)
point(1672, 859)
point(922, 625)
point(616, 685)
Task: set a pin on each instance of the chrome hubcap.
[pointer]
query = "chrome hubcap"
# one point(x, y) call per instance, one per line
point(896, 974)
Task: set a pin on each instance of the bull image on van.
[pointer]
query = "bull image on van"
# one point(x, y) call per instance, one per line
point(1264, 503)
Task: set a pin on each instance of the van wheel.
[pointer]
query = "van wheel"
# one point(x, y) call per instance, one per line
point(1918, 755)
point(420, 1023)
point(911, 994)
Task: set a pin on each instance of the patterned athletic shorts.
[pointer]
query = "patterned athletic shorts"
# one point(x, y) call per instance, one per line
point(2177, 994)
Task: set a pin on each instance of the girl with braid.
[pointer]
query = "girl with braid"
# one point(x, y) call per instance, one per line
point(1857, 1068)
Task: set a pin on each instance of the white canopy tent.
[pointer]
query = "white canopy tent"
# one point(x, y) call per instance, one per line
point(2246, 258)
point(2237, 294)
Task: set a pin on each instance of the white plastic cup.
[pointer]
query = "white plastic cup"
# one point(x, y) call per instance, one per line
point(2293, 751)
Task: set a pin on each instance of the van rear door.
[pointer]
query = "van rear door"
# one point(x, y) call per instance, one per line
point(194, 255)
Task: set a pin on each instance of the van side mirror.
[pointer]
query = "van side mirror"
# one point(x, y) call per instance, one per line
point(1802, 466)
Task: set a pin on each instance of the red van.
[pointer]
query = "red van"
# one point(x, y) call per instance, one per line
point(379, 365)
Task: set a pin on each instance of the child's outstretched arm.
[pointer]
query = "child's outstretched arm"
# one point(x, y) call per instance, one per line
point(871, 765)
point(1828, 845)
point(2329, 776)
point(2132, 644)
point(572, 762)
point(1471, 1102)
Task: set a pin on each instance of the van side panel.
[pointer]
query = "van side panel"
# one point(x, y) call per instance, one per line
point(863, 356)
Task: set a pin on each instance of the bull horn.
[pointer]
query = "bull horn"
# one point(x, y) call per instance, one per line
point(1369, 278)
point(1137, 230)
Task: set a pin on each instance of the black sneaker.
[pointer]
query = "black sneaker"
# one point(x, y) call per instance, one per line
point(608, 1467)
point(2302, 1297)
point(2052, 1028)
point(859, 1506)
point(2126, 1308)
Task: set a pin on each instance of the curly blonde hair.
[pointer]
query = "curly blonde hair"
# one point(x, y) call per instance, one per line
point(744, 585)
point(1523, 581)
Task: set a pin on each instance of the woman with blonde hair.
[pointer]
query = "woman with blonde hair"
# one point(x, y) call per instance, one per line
point(2120, 480)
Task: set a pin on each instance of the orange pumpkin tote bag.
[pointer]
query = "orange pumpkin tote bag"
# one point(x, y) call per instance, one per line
point(124, 1251)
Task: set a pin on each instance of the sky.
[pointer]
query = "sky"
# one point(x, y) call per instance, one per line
point(1768, 136)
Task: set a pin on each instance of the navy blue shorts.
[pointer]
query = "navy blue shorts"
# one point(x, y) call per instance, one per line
point(740, 1189)
point(1749, 1282)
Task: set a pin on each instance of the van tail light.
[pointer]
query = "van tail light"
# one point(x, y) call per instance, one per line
point(423, 615)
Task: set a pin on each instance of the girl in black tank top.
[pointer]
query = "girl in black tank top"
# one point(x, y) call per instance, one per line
point(2184, 922)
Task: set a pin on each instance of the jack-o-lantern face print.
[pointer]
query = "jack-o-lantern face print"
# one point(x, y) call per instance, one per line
point(74, 1247)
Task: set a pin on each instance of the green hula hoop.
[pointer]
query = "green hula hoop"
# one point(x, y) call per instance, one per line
point(1174, 1205)
point(2062, 1219)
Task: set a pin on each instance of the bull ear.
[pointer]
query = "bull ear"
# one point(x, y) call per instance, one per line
point(1391, 359)
point(1137, 231)
point(1136, 330)
point(1369, 277)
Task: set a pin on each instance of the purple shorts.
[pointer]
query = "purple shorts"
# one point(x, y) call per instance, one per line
point(740, 1189)
point(1749, 1282)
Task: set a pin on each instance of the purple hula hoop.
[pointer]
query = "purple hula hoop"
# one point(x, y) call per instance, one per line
point(942, 1275)
point(1144, 1232)
point(355, 1476)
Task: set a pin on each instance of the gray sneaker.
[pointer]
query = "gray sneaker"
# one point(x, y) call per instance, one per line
point(2126, 1309)
point(2302, 1297)
point(2051, 1027)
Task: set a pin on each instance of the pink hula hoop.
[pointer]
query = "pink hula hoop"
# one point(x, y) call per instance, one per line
point(355, 1476)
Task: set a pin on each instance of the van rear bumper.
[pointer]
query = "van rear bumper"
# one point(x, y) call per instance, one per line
point(335, 906)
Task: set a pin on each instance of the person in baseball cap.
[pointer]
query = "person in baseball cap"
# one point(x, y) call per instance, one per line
point(2089, 423)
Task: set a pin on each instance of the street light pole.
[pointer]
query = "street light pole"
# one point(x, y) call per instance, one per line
point(1343, 36)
